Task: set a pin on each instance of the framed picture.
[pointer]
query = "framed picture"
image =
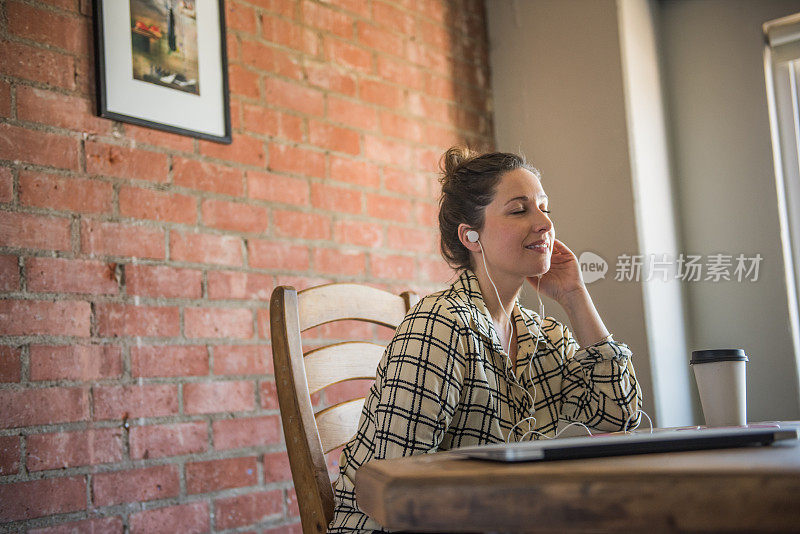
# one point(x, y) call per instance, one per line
point(163, 64)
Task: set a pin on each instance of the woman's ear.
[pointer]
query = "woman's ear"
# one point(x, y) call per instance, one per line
point(473, 246)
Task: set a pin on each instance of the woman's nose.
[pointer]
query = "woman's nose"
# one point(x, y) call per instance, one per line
point(542, 222)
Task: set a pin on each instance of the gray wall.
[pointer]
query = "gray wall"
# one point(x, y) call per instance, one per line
point(722, 161)
point(559, 98)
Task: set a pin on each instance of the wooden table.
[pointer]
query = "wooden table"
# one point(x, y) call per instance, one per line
point(745, 489)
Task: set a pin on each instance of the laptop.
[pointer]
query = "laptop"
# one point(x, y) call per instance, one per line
point(669, 440)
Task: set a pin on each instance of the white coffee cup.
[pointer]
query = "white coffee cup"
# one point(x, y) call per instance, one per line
point(720, 376)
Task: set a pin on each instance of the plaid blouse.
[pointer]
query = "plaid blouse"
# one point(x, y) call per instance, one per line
point(442, 384)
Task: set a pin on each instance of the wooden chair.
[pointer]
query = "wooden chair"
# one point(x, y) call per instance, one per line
point(309, 435)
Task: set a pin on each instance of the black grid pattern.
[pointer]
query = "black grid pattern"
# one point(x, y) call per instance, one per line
point(441, 384)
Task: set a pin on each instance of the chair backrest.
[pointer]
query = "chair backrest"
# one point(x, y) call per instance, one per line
point(309, 435)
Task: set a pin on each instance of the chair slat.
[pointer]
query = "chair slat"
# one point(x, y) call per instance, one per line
point(338, 423)
point(334, 302)
point(342, 361)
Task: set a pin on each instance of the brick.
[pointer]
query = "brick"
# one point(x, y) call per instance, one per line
point(327, 19)
point(424, 106)
point(218, 323)
point(56, 109)
point(411, 239)
point(293, 509)
point(244, 149)
point(277, 188)
point(38, 64)
point(269, 395)
point(242, 360)
point(235, 216)
point(240, 17)
point(124, 402)
point(360, 233)
point(64, 194)
point(392, 17)
point(205, 248)
point(237, 285)
point(29, 407)
point(38, 147)
point(338, 199)
point(352, 113)
point(122, 162)
point(273, 123)
point(251, 432)
point(437, 36)
point(348, 55)
point(264, 254)
point(244, 82)
point(393, 125)
point(207, 176)
point(5, 99)
point(10, 364)
point(427, 57)
point(334, 138)
point(6, 185)
point(159, 441)
point(358, 7)
point(265, 57)
point(58, 30)
point(381, 93)
point(355, 172)
point(284, 158)
point(26, 230)
point(248, 509)
point(389, 208)
point(348, 390)
point(392, 266)
point(117, 239)
point(344, 262)
point(215, 475)
point(27, 500)
point(186, 518)
point(159, 281)
point(329, 76)
point(157, 138)
point(341, 331)
point(435, 271)
point(304, 225)
point(169, 361)
point(9, 455)
point(32, 317)
point(114, 320)
point(59, 275)
point(289, 34)
point(147, 484)
point(408, 183)
point(276, 467)
point(157, 206)
point(378, 38)
point(388, 151)
point(262, 318)
point(104, 525)
point(75, 362)
point(72, 449)
point(9, 273)
point(292, 95)
point(216, 397)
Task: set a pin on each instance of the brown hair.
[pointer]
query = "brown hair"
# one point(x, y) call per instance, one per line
point(469, 183)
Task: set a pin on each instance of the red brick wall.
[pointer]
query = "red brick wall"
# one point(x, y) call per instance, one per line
point(136, 380)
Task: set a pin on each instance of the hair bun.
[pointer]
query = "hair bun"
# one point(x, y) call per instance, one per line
point(452, 159)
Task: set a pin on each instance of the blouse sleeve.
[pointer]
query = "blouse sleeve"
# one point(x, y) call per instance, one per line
point(599, 386)
point(419, 384)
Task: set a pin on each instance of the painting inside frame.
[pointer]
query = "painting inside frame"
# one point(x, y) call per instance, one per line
point(162, 64)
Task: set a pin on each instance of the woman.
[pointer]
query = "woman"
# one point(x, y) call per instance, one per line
point(468, 365)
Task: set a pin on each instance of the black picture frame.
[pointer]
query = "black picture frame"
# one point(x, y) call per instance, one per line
point(205, 115)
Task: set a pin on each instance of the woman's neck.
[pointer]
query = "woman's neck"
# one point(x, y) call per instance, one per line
point(507, 290)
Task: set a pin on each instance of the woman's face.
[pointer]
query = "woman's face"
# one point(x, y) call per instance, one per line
point(517, 235)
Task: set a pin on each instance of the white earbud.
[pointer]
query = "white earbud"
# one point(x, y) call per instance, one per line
point(472, 236)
